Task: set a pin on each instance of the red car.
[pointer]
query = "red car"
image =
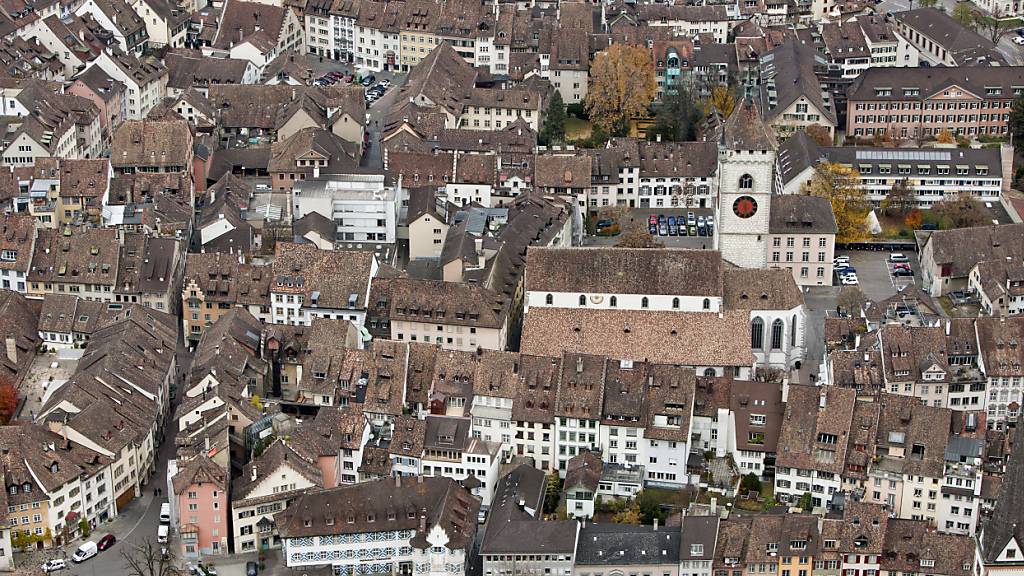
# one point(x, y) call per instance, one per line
point(652, 219)
point(901, 266)
point(106, 542)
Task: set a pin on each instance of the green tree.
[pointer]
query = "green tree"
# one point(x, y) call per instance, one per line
point(750, 483)
point(630, 515)
point(649, 504)
point(83, 525)
point(552, 493)
point(806, 503)
point(963, 14)
point(677, 118)
point(554, 122)
point(841, 186)
point(900, 199)
point(962, 211)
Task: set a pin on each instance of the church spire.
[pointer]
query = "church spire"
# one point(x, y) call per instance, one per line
point(746, 130)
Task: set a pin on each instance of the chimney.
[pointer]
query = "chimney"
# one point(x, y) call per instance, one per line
point(579, 364)
point(398, 480)
point(423, 523)
point(822, 398)
point(658, 138)
point(714, 506)
point(655, 524)
point(206, 443)
point(252, 477)
point(12, 349)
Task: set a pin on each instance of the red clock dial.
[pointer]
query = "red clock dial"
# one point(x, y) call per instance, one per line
point(744, 207)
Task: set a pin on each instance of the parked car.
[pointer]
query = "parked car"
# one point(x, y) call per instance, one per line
point(88, 550)
point(691, 219)
point(673, 229)
point(693, 231)
point(161, 534)
point(165, 513)
point(250, 569)
point(369, 80)
point(903, 272)
point(898, 257)
point(653, 228)
point(661, 219)
point(106, 542)
point(899, 265)
point(385, 83)
point(54, 565)
point(711, 226)
point(849, 280)
point(348, 78)
point(652, 219)
point(662, 229)
point(840, 260)
point(1018, 40)
point(336, 74)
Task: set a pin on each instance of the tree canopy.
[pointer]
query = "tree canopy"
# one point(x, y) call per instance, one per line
point(841, 186)
point(554, 121)
point(622, 86)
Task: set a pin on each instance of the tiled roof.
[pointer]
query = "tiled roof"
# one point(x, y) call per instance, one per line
point(624, 271)
point(641, 335)
point(387, 504)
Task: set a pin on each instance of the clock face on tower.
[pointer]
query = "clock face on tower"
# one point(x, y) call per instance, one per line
point(744, 207)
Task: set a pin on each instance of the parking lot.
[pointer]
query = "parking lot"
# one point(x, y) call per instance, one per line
point(874, 271)
point(640, 216)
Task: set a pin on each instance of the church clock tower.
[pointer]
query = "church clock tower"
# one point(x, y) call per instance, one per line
point(746, 168)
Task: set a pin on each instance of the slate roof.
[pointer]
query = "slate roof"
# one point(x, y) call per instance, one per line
point(745, 129)
point(626, 545)
point(967, 47)
point(932, 81)
point(800, 214)
point(1007, 520)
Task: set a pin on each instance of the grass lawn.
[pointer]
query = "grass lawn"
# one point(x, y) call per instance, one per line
point(893, 226)
point(576, 129)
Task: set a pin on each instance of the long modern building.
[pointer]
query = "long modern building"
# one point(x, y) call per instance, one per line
point(933, 174)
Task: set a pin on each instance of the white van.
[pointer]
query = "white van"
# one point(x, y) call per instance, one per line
point(84, 552)
point(161, 534)
point(165, 513)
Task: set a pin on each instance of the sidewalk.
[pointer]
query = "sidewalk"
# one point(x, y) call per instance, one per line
point(122, 527)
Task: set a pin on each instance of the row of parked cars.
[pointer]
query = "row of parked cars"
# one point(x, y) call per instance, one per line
point(690, 225)
point(377, 90)
point(846, 273)
point(334, 77)
point(84, 552)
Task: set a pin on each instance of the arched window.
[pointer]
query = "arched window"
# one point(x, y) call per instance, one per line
point(613, 301)
point(757, 334)
point(709, 371)
point(675, 303)
point(644, 302)
point(583, 300)
point(707, 303)
point(549, 299)
point(777, 334)
point(746, 182)
point(792, 331)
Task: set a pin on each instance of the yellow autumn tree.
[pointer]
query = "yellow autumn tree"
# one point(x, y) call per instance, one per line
point(841, 185)
point(945, 137)
point(622, 86)
point(722, 99)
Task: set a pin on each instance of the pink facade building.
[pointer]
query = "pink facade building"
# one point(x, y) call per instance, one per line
point(200, 508)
